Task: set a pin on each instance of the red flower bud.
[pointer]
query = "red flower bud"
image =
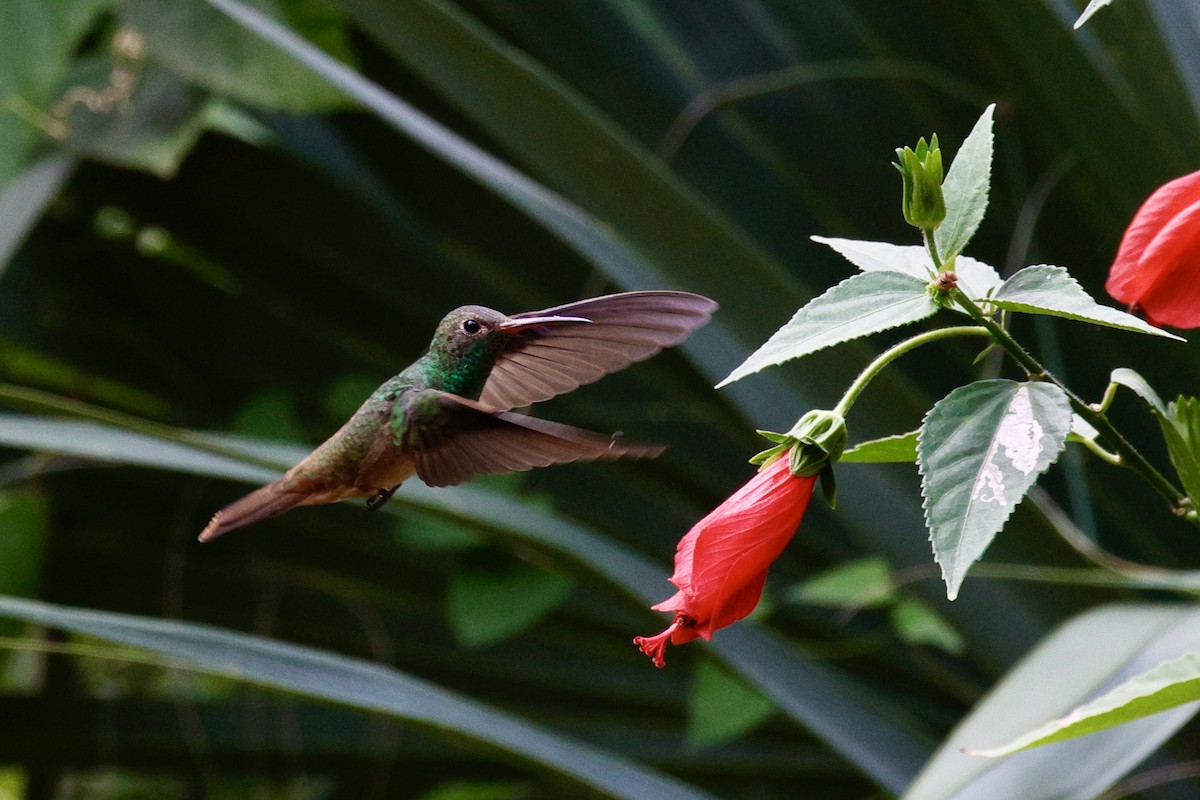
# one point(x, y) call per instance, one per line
point(1157, 269)
point(721, 564)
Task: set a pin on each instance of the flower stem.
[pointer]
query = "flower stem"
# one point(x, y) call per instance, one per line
point(891, 354)
point(1181, 504)
point(1128, 455)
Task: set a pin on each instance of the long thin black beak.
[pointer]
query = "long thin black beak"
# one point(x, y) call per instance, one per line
point(523, 323)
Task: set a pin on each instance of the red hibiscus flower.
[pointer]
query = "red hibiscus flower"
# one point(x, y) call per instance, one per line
point(1157, 269)
point(721, 564)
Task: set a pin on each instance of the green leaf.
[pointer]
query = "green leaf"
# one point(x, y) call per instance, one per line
point(206, 48)
point(975, 278)
point(722, 708)
point(882, 740)
point(858, 306)
point(270, 414)
point(865, 583)
point(1123, 376)
point(363, 685)
point(916, 622)
point(1184, 446)
point(488, 603)
point(37, 40)
point(1044, 289)
point(478, 790)
point(160, 124)
point(572, 225)
point(1179, 423)
point(1169, 685)
point(1087, 656)
point(1092, 8)
point(981, 447)
point(561, 137)
point(898, 449)
point(23, 201)
point(966, 189)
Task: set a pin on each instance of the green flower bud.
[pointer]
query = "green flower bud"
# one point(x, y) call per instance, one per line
point(923, 204)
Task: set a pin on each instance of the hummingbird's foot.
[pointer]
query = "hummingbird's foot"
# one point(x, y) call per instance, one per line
point(381, 497)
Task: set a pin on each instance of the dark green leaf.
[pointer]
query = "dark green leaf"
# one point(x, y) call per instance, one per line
point(364, 685)
point(980, 449)
point(858, 306)
point(721, 707)
point(916, 622)
point(1044, 289)
point(152, 129)
point(898, 449)
point(883, 741)
point(966, 189)
point(36, 42)
point(205, 48)
point(865, 583)
point(488, 603)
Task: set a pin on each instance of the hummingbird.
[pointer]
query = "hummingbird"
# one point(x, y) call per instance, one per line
point(450, 416)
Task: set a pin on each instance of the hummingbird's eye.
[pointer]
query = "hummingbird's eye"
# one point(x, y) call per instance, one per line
point(471, 327)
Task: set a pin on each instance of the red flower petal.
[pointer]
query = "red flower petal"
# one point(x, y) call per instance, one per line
point(721, 564)
point(1126, 280)
point(1173, 258)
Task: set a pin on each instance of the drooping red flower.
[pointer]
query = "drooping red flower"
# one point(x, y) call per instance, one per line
point(721, 563)
point(1157, 269)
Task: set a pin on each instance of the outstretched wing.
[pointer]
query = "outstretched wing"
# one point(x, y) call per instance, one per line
point(540, 363)
point(456, 439)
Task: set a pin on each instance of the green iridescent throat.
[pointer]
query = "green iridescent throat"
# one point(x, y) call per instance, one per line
point(465, 373)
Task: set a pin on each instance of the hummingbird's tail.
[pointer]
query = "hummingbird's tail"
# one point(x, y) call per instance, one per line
point(259, 504)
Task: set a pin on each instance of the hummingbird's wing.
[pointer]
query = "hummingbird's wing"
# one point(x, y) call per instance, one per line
point(542, 362)
point(452, 439)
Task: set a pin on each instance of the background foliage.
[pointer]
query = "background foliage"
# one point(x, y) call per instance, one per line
point(199, 232)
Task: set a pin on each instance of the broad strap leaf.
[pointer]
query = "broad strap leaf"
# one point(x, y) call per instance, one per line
point(858, 306)
point(1073, 665)
point(966, 189)
point(1045, 289)
point(898, 449)
point(975, 278)
point(368, 686)
point(1092, 8)
point(1170, 684)
point(980, 449)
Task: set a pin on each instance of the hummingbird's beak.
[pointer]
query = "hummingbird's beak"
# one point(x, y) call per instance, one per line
point(524, 323)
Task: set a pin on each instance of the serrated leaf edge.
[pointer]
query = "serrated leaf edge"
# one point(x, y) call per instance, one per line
point(952, 591)
point(738, 373)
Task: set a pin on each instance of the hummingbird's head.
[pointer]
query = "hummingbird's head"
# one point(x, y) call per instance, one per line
point(470, 339)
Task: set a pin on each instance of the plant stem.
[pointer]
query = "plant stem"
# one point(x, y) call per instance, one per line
point(891, 354)
point(1181, 504)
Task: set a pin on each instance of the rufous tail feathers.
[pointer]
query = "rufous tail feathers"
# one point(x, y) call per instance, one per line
point(259, 504)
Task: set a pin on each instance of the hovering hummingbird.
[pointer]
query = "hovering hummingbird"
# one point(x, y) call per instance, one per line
point(448, 417)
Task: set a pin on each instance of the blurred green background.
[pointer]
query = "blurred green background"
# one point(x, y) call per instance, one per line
point(199, 232)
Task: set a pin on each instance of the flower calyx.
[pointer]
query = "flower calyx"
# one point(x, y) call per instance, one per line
point(814, 445)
